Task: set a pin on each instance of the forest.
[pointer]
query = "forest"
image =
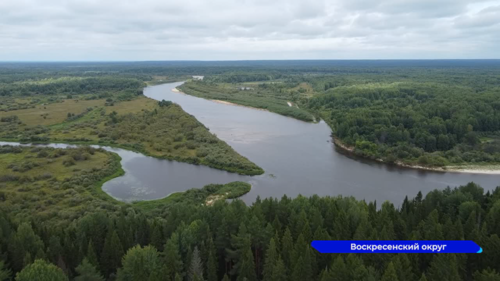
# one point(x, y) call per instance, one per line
point(415, 115)
point(56, 223)
point(269, 240)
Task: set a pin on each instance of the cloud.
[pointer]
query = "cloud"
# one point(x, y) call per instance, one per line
point(247, 29)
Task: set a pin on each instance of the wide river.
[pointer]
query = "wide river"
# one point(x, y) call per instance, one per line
point(297, 157)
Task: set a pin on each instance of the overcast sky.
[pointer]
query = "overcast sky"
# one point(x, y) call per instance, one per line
point(45, 30)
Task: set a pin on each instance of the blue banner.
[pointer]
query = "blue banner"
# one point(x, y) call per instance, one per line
point(390, 246)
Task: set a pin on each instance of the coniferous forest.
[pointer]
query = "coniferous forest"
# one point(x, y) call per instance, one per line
point(56, 223)
point(269, 240)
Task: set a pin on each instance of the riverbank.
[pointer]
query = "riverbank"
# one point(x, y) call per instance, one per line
point(466, 169)
point(257, 99)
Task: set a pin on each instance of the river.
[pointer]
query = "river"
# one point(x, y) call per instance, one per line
point(298, 158)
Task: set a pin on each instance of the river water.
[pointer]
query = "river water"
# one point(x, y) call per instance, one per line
point(298, 158)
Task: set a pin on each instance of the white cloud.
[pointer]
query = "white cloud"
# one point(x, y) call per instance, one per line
point(247, 29)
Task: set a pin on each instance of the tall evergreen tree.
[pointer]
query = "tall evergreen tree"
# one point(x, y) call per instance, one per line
point(195, 272)
point(112, 253)
point(247, 268)
point(279, 271)
point(173, 259)
point(287, 248)
point(338, 271)
point(91, 255)
point(390, 273)
point(212, 261)
point(444, 268)
point(270, 262)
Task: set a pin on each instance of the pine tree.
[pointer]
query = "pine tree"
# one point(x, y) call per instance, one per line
point(226, 278)
point(247, 268)
point(338, 271)
point(287, 248)
point(390, 273)
point(403, 267)
point(196, 266)
point(24, 246)
point(444, 268)
point(486, 275)
point(270, 262)
point(91, 255)
point(423, 278)
point(279, 271)
point(87, 272)
point(173, 260)
point(212, 261)
point(112, 253)
point(157, 237)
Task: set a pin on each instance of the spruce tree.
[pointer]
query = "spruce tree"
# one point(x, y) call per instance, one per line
point(444, 267)
point(211, 262)
point(279, 271)
point(270, 262)
point(338, 271)
point(196, 267)
point(173, 259)
point(112, 253)
point(247, 268)
point(91, 255)
point(287, 248)
point(390, 273)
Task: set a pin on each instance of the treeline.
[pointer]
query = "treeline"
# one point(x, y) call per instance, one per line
point(269, 240)
point(71, 86)
point(424, 123)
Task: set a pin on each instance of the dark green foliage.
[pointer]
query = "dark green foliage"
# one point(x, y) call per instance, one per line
point(87, 272)
point(5, 273)
point(244, 248)
point(40, 270)
point(141, 264)
point(419, 123)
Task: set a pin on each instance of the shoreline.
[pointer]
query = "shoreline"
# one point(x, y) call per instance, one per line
point(175, 90)
point(447, 169)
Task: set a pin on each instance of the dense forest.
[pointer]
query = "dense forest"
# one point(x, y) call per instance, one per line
point(269, 240)
point(424, 123)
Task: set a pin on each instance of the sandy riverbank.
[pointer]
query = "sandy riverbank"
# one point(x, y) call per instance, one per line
point(235, 104)
point(490, 170)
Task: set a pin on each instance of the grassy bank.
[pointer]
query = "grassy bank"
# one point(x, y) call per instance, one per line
point(251, 95)
point(161, 130)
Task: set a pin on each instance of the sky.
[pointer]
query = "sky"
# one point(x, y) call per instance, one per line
point(123, 30)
